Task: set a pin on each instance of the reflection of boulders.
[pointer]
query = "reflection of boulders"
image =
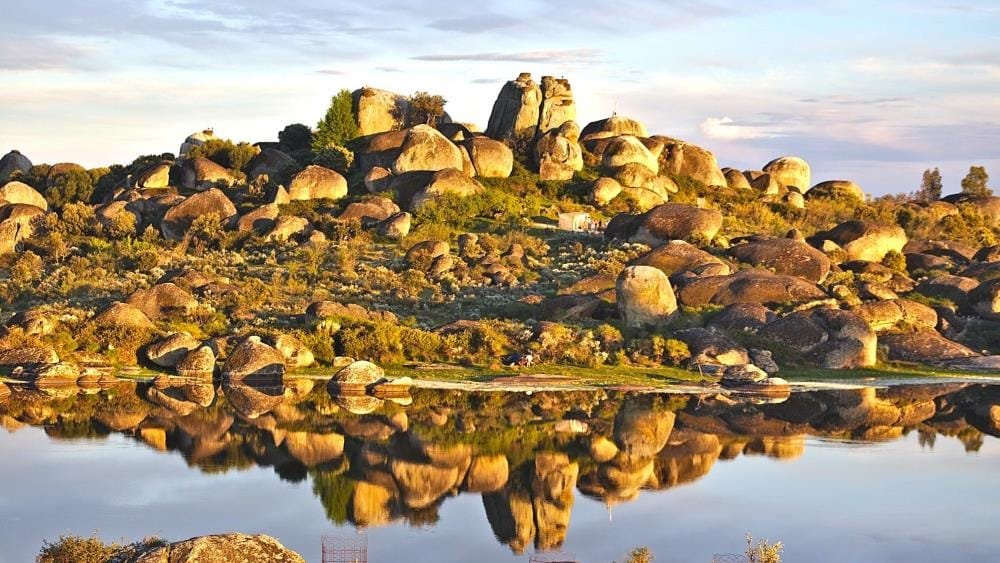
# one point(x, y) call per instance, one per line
point(640, 431)
point(314, 448)
point(688, 456)
point(552, 497)
point(254, 397)
point(372, 503)
point(422, 484)
point(358, 404)
point(511, 516)
point(487, 474)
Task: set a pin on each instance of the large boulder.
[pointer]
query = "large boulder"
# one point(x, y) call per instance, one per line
point(516, 111)
point(924, 346)
point(163, 300)
point(627, 149)
point(171, 349)
point(985, 299)
point(12, 162)
point(378, 111)
point(790, 171)
point(862, 240)
point(678, 256)
point(749, 286)
point(953, 288)
point(371, 210)
point(490, 158)
point(558, 152)
point(891, 313)
point(445, 182)
point(122, 316)
point(557, 105)
point(271, 162)
point(837, 188)
point(178, 219)
point(784, 256)
point(18, 192)
point(200, 173)
point(199, 362)
point(614, 126)
point(28, 357)
point(259, 220)
point(684, 159)
point(664, 223)
point(317, 182)
point(833, 338)
point(645, 296)
point(222, 548)
point(359, 374)
point(425, 148)
point(253, 358)
point(735, 179)
point(712, 348)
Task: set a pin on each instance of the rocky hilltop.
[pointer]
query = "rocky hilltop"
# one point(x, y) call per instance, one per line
point(416, 238)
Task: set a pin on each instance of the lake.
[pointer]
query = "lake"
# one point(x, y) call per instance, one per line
point(904, 473)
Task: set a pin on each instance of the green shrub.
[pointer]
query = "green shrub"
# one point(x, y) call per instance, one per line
point(296, 136)
point(338, 125)
point(73, 186)
point(225, 153)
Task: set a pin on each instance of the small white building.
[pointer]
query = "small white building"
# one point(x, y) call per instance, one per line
point(575, 221)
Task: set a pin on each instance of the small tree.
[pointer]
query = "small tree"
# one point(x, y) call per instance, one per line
point(426, 108)
point(930, 186)
point(338, 126)
point(69, 187)
point(974, 182)
point(296, 136)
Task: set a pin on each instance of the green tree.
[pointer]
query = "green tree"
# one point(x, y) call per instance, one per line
point(426, 108)
point(296, 136)
point(338, 126)
point(69, 187)
point(975, 181)
point(930, 186)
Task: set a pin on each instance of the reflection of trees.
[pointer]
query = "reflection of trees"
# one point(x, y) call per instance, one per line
point(375, 463)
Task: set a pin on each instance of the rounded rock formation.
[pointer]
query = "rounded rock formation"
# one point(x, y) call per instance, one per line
point(790, 171)
point(645, 296)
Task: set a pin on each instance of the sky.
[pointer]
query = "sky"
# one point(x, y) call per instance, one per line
point(870, 91)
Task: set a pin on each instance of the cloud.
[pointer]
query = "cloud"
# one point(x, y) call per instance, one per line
point(388, 69)
point(724, 128)
point(37, 54)
point(555, 56)
point(487, 80)
point(477, 23)
point(330, 71)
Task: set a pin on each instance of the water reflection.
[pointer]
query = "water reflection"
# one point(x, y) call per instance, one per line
point(373, 461)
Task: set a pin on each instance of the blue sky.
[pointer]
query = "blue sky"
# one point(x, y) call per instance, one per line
point(870, 91)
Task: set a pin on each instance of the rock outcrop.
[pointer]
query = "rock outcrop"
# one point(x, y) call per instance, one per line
point(790, 172)
point(664, 223)
point(13, 162)
point(558, 152)
point(178, 219)
point(784, 256)
point(424, 148)
point(222, 548)
point(645, 296)
point(862, 240)
point(516, 111)
point(317, 182)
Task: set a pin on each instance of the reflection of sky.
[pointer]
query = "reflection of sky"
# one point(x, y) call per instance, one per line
point(886, 502)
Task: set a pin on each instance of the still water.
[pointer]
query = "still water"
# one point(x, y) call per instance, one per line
point(895, 474)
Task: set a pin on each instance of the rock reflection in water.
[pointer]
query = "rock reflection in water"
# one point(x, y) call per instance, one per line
point(373, 461)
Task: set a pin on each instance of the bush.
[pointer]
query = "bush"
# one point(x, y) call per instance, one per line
point(296, 136)
point(76, 549)
point(425, 108)
point(338, 126)
point(225, 153)
point(73, 186)
point(335, 157)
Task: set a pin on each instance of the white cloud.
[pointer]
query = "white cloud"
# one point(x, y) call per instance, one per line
point(726, 129)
